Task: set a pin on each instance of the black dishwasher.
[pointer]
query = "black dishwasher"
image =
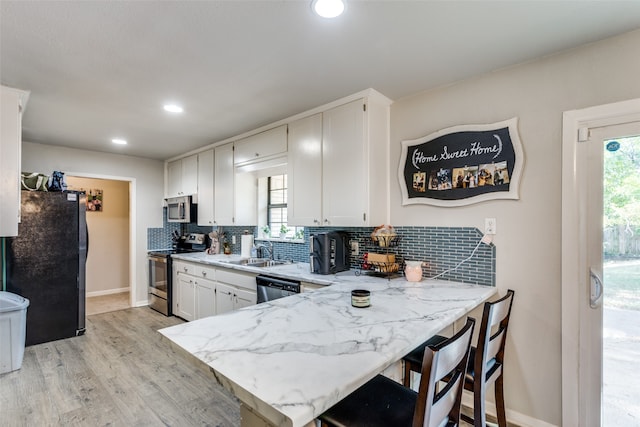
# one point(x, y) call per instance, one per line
point(270, 288)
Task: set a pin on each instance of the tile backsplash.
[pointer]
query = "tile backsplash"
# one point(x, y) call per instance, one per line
point(441, 248)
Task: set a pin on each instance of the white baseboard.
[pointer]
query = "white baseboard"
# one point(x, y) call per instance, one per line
point(513, 418)
point(141, 303)
point(107, 292)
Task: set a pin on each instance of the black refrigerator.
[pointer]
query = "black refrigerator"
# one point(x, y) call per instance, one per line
point(45, 263)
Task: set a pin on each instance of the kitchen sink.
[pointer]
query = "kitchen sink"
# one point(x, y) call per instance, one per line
point(260, 262)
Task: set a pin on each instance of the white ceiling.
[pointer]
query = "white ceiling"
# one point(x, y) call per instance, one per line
point(102, 69)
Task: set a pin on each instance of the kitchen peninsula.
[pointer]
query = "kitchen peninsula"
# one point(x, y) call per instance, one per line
point(290, 359)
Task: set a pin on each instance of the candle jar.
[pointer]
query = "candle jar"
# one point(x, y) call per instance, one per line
point(360, 298)
point(413, 271)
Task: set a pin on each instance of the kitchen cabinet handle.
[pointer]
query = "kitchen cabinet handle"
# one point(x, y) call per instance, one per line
point(257, 154)
point(185, 269)
point(204, 273)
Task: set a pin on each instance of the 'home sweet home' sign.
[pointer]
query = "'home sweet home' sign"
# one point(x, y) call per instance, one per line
point(462, 165)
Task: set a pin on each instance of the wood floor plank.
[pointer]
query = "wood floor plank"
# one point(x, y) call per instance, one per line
point(120, 373)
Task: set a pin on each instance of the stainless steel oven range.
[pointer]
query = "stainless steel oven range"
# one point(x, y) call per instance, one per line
point(160, 281)
point(160, 268)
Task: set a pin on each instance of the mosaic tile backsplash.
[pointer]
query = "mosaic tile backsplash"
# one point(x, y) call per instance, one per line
point(441, 248)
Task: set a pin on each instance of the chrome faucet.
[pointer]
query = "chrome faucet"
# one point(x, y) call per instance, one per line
point(261, 247)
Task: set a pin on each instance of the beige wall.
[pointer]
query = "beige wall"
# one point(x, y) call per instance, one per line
point(147, 191)
point(528, 240)
point(108, 260)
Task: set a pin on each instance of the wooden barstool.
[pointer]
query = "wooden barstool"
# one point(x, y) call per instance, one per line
point(485, 361)
point(383, 402)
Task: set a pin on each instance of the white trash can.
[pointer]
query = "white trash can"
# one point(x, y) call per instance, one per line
point(13, 330)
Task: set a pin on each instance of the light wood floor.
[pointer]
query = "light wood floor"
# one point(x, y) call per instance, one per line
point(121, 373)
point(106, 303)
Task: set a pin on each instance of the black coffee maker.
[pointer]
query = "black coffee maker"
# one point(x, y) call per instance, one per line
point(329, 252)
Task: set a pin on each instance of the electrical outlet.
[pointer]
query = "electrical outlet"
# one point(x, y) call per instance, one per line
point(490, 226)
point(233, 240)
point(355, 247)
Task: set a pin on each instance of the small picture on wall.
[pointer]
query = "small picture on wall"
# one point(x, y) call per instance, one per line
point(419, 181)
point(458, 178)
point(94, 197)
point(470, 176)
point(433, 180)
point(444, 179)
point(94, 200)
point(485, 176)
point(501, 175)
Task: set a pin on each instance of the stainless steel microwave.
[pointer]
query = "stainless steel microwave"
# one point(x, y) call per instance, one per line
point(180, 209)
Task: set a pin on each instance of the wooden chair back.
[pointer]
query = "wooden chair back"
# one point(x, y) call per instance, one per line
point(489, 354)
point(442, 381)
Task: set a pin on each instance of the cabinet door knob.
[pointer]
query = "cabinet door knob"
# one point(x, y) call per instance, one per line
point(185, 269)
point(204, 273)
point(257, 154)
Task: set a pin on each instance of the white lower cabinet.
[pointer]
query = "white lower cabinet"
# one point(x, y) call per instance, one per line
point(229, 298)
point(244, 298)
point(200, 290)
point(205, 298)
point(224, 300)
point(234, 290)
point(194, 290)
point(186, 297)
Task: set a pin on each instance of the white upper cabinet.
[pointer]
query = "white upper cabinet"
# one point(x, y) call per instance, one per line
point(304, 165)
point(182, 177)
point(252, 156)
point(174, 178)
point(263, 145)
point(223, 185)
point(205, 188)
point(353, 163)
point(11, 108)
point(190, 174)
point(336, 157)
point(344, 166)
point(246, 199)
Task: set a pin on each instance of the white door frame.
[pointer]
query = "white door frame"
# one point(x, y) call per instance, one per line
point(577, 362)
point(133, 267)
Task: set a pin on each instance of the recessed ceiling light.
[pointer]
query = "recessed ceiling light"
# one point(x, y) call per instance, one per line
point(173, 108)
point(328, 8)
point(119, 141)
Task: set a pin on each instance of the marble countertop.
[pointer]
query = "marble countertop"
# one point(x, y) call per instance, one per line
point(295, 271)
point(291, 359)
